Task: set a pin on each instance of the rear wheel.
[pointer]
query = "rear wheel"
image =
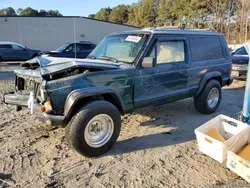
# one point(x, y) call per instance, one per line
point(209, 99)
point(94, 129)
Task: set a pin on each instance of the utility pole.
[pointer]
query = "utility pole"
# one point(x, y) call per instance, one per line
point(242, 22)
point(247, 19)
point(246, 28)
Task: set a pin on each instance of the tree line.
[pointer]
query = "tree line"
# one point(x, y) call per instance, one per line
point(28, 12)
point(226, 16)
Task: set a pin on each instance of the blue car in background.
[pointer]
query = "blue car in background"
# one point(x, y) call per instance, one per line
point(11, 51)
point(240, 59)
point(72, 50)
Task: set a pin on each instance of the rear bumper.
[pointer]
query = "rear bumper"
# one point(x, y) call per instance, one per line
point(242, 75)
point(22, 101)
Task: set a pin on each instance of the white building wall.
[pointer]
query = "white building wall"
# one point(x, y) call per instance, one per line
point(48, 33)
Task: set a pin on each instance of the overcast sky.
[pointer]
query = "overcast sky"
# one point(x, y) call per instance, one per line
point(65, 7)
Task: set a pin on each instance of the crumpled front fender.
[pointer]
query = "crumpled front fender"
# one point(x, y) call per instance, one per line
point(75, 96)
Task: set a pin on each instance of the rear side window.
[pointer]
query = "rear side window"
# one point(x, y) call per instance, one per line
point(203, 48)
point(5, 46)
point(85, 47)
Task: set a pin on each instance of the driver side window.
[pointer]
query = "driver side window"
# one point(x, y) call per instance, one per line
point(168, 52)
point(72, 48)
point(69, 48)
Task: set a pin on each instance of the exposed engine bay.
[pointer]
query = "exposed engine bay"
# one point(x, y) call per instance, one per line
point(56, 68)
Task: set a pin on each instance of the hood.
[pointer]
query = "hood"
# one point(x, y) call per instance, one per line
point(52, 65)
point(37, 51)
point(240, 59)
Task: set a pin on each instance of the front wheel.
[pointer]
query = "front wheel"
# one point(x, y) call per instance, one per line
point(94, 129)
point(209, 99)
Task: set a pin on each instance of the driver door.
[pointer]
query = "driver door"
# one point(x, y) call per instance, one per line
point(167, 81)
point(20, 53)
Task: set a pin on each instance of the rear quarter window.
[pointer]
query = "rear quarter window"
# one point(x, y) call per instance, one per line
point(205, 48)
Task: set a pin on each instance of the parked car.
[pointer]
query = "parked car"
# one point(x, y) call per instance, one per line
point(72, 50)
point(230, 50)
point(240, 61)
point(124, 72)
point(11, 51)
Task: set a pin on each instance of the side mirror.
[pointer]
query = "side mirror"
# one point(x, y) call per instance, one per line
point(148, 62)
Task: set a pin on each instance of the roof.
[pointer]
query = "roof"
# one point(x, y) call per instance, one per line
point(70, 17)
point(8, 42)
point(79, 42)
point(175, 31)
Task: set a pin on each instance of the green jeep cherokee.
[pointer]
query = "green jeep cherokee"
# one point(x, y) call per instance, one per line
point(124, 72)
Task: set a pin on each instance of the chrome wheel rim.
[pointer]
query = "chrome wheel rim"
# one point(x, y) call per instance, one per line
point(99, 130)
point(213, 97)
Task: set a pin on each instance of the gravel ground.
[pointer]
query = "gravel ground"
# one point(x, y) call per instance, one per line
point(156, 148)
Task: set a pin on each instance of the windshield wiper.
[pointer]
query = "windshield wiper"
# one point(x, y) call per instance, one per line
point(91, 57)
point(109, 58)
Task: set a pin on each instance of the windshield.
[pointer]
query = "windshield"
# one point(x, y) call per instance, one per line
point(61, 48)
point(241, 51)
point(124, 47)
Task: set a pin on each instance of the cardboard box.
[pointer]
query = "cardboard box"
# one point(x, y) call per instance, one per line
point(236, 163)
point(229, 128)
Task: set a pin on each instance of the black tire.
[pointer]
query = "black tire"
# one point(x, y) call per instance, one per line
point(75, 129)
point(1, 59)
point(201, 101)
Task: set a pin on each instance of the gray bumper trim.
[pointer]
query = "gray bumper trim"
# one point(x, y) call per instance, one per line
point(22, 100)
point(16, 99)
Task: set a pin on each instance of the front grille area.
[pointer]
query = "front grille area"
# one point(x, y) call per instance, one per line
point(24, 86)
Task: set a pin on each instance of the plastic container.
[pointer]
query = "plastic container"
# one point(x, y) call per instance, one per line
point(237, 164)
point(229, 128)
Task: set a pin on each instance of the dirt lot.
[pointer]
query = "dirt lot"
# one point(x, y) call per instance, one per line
point(156, 148)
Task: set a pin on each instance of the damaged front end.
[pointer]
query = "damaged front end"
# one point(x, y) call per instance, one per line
point(30, 93)
point(43, 84)
point(27, 83)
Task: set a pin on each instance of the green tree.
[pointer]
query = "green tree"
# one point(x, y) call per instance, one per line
point(132, 14)
point(119, 14)
point(53, 13)
point(19, 10)
point(146, 14)
point(42, 12)
point(196, 14)
point(91, 16)
point(29, 12)
point(103, 14)
point(8, 12)
point(162, 13)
